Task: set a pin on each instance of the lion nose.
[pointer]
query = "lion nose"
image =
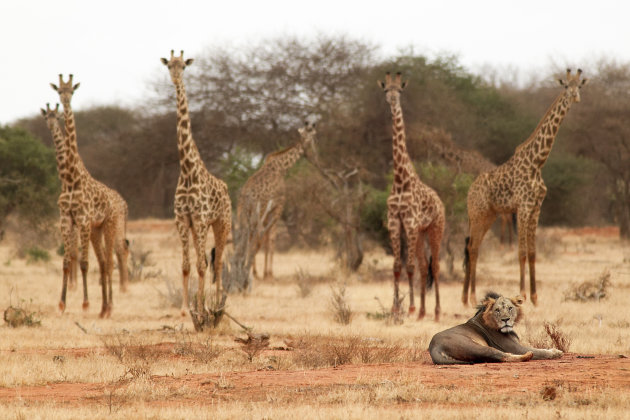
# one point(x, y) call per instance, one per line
point(505, 319)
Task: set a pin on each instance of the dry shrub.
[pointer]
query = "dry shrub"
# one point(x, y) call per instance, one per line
point(17, 316)
point(339, 305)
point(253, 344)
point(551, 337)
point(390, 317)
point(136, 357)
point(201, 351)
point(559, 339)
point(590, 290)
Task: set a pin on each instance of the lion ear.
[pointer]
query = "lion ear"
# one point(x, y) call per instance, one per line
point(488, 302)
point(518, 300)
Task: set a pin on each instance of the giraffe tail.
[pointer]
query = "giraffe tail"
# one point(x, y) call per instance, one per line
point(514, 222)
point(212, 258)
point(466, 255)
point(430, 277)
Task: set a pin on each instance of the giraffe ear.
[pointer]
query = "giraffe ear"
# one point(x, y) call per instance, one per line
point(584, 82)
point(43, 111)
point(380, 84)
point(75, 87)
point(189, 61)
point(404, 84)
point(164, 61)
point(562, 83)
point(54, 86)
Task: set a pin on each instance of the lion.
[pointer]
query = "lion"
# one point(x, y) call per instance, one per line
point(487, 337)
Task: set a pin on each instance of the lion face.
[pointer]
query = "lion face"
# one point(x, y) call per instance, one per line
point(502, 313)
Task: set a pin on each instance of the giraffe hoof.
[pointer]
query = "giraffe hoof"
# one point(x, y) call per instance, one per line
point(534, 298)
point(465, 300)
point(395, 310)
point(412, 309)
point(420, 315)
point(62, 307)
point(184, 312)
point(86, 305)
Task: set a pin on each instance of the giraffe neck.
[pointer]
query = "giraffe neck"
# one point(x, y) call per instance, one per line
point(403, 168)
point(189, 157)
point(73, 160)
point(536, 149)
point(283, 160)
point(60, 146)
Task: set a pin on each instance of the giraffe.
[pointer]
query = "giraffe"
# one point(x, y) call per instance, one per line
point(267, 185)
point(94, 211)
point(201, 200)
point(52, 121)
point(411, 206)
point(517, 186)
point(468, 161)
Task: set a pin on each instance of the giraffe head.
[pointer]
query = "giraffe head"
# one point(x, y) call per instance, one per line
point(307, 134)
point(176, 66)
point(392, 87)
point(65, 90)
point(50, 114)
point(573, 84)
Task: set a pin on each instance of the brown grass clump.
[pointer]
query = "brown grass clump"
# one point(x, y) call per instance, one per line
point(318, 351)
point(590, 290)
point(339, 305)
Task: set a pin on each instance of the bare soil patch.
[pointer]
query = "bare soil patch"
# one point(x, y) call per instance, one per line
point(578, 374)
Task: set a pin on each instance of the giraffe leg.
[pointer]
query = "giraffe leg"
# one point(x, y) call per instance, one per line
point(121, 248)
point(84, 236)
point(479, 226)
point(394, 228)
point(69, 244)
point(424, 272)
point(412, 243)
point(122, 255)
point(531, 251)
point(182, 223)
point(221, 231)
point(435, 233)
point(109, 236)
point(254, 271)
point(96, 237)
point(523, 222)
point(74, 257)
point(200, 234)
point(269, 247)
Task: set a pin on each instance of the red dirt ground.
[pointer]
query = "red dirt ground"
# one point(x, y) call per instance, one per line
point(576, 373)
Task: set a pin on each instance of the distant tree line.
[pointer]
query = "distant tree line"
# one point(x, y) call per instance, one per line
point(250, 101)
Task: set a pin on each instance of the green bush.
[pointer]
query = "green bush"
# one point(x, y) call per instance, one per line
point(28, 181)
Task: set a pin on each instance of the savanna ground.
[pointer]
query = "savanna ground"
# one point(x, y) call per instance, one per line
point(147, 361)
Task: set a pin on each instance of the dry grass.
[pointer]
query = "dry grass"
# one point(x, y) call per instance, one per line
point(147, 337)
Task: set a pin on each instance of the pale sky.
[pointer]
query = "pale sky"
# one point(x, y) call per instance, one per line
point(113, 47)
